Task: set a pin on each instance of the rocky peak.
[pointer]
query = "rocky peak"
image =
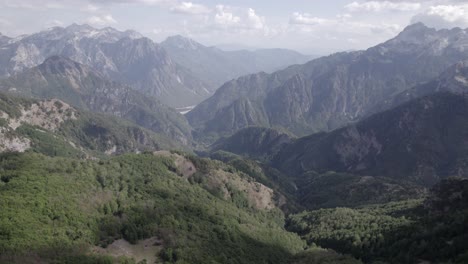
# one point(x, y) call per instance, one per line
point(417, 34)
point(432, 40)
point(77, 32)
point(182, 42)
point(4, 39)
point(76, 27)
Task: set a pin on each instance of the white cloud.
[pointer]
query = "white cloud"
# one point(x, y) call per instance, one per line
point(224, 18)
point(307, 19)
point(341, 24)
point(146, 2)
point(230, 18)
point(190, 8)
point(254, 21)
point(380, 6)
point(55, 23)
point(444, 16)
point(101, 20)
point(91, 8)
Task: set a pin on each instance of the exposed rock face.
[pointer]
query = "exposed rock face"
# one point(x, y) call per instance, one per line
point(122, 56)
point(332, 91)
point(48, 115)
point(53, 127)
point(421, 141)
point(230, 185)
point(215, 66)
point(79, 85)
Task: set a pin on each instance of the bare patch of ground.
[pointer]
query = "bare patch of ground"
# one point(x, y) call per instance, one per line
point(145, 249)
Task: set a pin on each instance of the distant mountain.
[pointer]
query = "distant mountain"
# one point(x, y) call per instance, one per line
point(127, 57)
point(54, 128)
point(331, 91)
point(421, 141)
point(4, 39)
point(215, 66)
point(83, 87)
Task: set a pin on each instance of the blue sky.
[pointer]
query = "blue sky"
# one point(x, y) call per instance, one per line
point(309, 26)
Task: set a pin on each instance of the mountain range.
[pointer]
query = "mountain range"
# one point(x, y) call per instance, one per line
point(356, 157)
point(421, 139)
point(215, 66)
point(130, 58)
point(332, 91)
point(84, 88)
point(127, 57)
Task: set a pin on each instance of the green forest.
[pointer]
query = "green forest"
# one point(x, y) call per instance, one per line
point(55, 208)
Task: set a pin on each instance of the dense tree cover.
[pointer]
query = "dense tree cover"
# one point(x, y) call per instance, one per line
point(397, 232)
point(55, 208)
point(334, 189)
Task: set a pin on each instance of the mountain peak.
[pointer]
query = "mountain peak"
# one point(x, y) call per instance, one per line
point(78, 27)
point(108, 34)
point(418, 26)
point(182, 42)
point(418, 34)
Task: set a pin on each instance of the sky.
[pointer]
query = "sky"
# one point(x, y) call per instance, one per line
point(309, 26)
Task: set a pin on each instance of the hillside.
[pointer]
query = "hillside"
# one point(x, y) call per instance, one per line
point(84, 88)
point(421, 141)
point(413, 231)
point(329, 92)
point(53, 127)
point(453, 80)
point(254, 142)
point(52, 211)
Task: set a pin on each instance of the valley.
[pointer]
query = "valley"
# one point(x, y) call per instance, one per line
point(115, 148)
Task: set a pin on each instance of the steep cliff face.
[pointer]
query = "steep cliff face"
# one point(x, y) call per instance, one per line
point(333, 91)
point(421, 141)
point(122, 56)
point(79, 85)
